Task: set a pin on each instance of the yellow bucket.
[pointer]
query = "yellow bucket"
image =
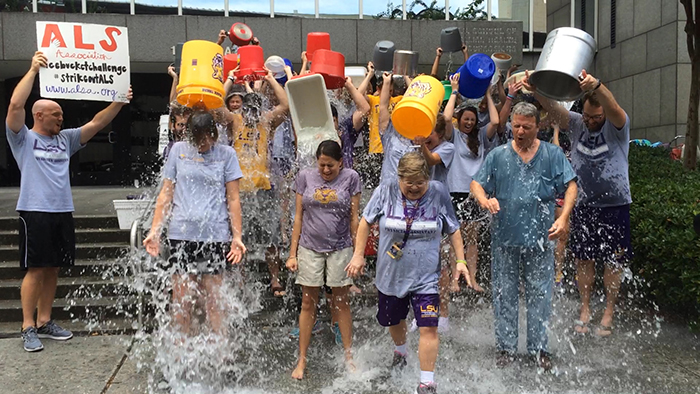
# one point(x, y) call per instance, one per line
point(201, 75)
point(415, 115)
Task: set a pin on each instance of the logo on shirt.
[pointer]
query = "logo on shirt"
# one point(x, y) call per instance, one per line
point(593, 146)
point(325, 195)
point(51, 152)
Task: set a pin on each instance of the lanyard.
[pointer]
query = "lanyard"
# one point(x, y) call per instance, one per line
point(409, 215)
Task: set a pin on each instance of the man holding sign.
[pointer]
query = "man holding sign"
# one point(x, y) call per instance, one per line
point(45, 206)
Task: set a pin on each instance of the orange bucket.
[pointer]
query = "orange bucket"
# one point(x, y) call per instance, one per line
point(252, 62)
point(201, 75)
point(415, 115)
point(316, 41)
point(331, 65)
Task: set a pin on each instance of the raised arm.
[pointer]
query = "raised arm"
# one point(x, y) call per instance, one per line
point(102, 119)
point(275, 117)
point(368, 77)
point(613, 112)
point(503, 115)
point(465, 52)
point(436, 63)
point(493, 114)
point(304, 63)
point(15, 112)
point(222, 36)
point(559, 114)
point(431, 158)
point(361, 105)
point(384, 99)
point(450, 107)
point(173, 86)
point(555, 137)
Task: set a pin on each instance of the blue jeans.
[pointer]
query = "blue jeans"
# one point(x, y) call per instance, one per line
point(537, 267)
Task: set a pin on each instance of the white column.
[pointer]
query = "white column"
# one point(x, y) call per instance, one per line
point(573, 13)
point(132, 7)
point(225, 7)
point(316, 8)
point(488, 10)
point(272, 8)
point(360, 10)
point(403, 7)
point(531, 38)
point(84, 6)
point(595, 24)
point(179, 7)
point(447, 10)
point(34, 6)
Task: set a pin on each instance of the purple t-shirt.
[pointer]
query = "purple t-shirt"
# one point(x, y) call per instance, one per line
point(325, 226)
point(348, 137)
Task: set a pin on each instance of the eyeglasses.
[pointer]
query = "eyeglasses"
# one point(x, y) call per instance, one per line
point(594, 117)
point(411, 183)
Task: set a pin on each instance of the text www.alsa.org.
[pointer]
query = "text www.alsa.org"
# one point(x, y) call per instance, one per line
point(82, 90)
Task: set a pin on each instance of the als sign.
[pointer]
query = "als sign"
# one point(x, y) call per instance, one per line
point(85, 61)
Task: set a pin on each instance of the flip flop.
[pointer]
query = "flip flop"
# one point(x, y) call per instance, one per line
point(278, 291)
point(601, 328)
point(581, 328)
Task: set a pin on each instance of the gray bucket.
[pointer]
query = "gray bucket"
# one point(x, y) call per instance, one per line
point(383, 58)
point(566, 53)
point(450, 40)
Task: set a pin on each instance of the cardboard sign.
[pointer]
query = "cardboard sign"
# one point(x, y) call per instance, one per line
point(85, 61)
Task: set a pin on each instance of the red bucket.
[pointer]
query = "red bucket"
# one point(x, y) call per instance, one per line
point(230, 63)
point(331, 65)
point(373, 240)
point(251, 63)
point(240, 34)
point(316, 41)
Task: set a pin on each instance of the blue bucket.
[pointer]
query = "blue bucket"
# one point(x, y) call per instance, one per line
point(475, 75)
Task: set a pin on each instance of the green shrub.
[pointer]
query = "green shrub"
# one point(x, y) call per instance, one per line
point(666, 198)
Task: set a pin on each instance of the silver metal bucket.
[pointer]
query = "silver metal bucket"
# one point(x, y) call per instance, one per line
point(566, 53)
point(405, 63)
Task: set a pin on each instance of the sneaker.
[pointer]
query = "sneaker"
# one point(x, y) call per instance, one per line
point(399, 361)
point(430, 388)
point(504, 359)
point(336, 332)
point(294, 334)
point(544, 360)
point(31, 340)
point(414, 326)
point(53, 331)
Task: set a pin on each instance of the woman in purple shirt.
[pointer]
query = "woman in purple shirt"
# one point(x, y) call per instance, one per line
point(325, 225)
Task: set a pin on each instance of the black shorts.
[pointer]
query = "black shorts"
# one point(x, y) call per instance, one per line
point(197, 258)
point(467, 209)
point(46, 239)
point(602, 234)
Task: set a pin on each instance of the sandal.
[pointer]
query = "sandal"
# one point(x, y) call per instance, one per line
point(278, 291)
point(602, 331)
point(580, 327)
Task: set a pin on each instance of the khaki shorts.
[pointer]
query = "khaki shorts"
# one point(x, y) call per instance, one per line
point(312, 266)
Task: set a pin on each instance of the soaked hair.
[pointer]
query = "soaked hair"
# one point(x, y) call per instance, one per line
point(440, 126)
point(526, 109)
point(331, 149)
point(201, 126)
point(472, 136)
point(592, 98)
point(413, 164)
point(177, 109)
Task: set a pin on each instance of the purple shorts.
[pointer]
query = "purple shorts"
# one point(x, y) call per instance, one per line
point(602, 234)
point(426, 308)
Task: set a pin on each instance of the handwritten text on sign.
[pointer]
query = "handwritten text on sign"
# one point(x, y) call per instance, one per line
point(85, 61)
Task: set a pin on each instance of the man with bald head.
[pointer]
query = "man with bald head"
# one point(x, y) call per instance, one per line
point(45, 206)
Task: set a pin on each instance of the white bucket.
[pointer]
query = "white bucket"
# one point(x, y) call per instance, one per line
point(356, 74)
point(129, 210)
point(163, 129)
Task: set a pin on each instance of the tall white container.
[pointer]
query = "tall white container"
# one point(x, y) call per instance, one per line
point(163, 139)
point(311, 115)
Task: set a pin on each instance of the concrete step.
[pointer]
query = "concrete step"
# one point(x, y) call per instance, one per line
point(82, 251)
point(102, 309)
point(76, 286)
point(11, 223)
point(82, 236)
point(11, 270)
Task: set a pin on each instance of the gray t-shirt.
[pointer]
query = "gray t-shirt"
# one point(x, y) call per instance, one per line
point(446, 150)
point(43, 162)
point(525, 192)
point(395, 146)
point(283, 147)
point(200, 209)
point(464, 163)
point(325, 226)
point(417, 271)
point(600, 161)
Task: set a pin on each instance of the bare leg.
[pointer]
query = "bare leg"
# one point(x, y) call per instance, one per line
point(612, 279)
point(330, 300)
point(307, 318)
point(428, 348)
point(559, 252)
point(398, 333)
point(472, 255)
point(182, 302)
point(344, 319)
point(32, 285)
point(586, 277)
point(46, 296)
point(212, 290)
point(444, 288)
